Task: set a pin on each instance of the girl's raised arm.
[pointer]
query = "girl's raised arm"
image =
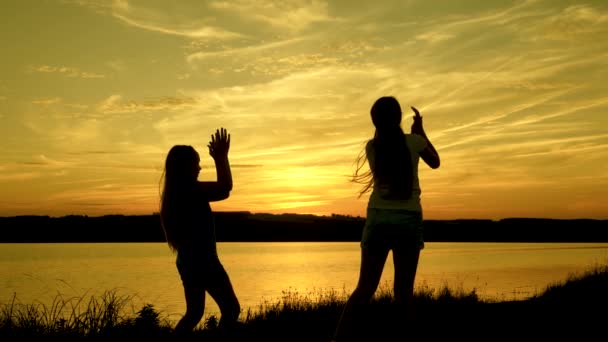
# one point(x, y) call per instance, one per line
point(429, 154)
point(218, 150)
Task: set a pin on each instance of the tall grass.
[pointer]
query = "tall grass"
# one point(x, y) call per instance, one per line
point(103, 315)
point(444, 312)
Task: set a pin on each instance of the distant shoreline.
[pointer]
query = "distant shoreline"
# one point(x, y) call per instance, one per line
point(254, 227)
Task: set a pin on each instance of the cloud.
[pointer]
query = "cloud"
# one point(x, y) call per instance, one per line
point(247, 50)
point(66, 71)
point(34, 167)
point(303, 102)
point(19, 176)
point(42, 160)
point(434, 37)
point(556, 145)
point(158, 21)
point(55, 131)
point(117, 65)
point(201, 32)
point(294, 15)
point(47, 101)
point(99, 6)
point(107, 197)
point(576, 22)
point(115, 104)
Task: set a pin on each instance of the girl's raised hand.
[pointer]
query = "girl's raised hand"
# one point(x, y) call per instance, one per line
point(416, 112)
point(219, 144)
point(417, 125)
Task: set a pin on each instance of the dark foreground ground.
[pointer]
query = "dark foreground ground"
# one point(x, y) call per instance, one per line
point(575, 310)
point(545, 319)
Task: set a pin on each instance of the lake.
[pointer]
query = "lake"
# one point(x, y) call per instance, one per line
point(263, 272)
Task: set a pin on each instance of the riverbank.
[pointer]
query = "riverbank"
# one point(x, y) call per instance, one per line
point(575, 307)
point(259, 227)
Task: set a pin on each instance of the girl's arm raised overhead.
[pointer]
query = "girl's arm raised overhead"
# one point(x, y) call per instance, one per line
point(429, 154)
point(218, 149)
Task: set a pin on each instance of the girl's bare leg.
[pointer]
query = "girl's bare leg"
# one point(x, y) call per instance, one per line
point(372, 264)
point(195, 308)
point(223, 294)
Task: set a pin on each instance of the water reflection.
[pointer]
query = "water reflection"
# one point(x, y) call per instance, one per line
point(265, 271)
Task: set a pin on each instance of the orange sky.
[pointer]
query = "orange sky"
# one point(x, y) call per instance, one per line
point(94, 93)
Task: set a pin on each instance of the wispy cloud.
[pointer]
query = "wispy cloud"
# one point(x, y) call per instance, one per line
point(576, 22)
point(262, 113)
point(115, 104)
point(201, 32)
point(65, 71)
point(43, 161)
point(286, 15)
point(247, 50)
point(157, 21)
point(100, 6)
point(47, 101)
point(18, 176)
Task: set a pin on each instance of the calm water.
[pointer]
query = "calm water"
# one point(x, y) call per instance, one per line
point(263, 272)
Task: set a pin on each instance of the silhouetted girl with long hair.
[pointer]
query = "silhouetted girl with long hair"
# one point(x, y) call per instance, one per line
point(394, 212)
point(189, 228)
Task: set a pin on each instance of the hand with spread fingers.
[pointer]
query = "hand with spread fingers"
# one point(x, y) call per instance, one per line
point(219, 144)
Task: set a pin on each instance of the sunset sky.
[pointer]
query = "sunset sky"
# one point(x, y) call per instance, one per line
point(514, 96)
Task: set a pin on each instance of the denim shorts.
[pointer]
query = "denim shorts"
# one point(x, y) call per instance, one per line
point(392, 228)
point(202, 272)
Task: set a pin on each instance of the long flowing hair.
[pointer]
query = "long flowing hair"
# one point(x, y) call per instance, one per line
point(176, 181)
point(392, 169)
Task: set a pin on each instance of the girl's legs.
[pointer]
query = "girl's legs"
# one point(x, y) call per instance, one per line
point(195, 308)
point(372, 264)
point(406, 264)
point(223, 294)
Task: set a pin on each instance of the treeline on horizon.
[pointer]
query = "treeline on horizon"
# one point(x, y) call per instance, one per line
point(262, 227)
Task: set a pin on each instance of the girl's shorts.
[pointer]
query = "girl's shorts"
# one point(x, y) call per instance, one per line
point(201, 272)
point(392, 228)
